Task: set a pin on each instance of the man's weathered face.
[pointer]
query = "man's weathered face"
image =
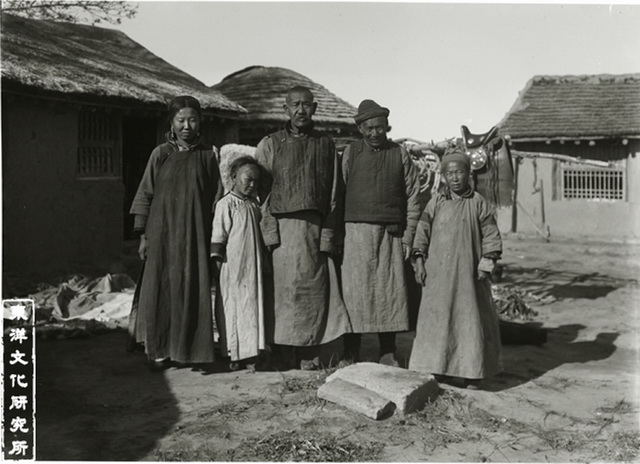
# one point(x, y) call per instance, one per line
point(457, 176)
point(374, 131)
point(300, 108)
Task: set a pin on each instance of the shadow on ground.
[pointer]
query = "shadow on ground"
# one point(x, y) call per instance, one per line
point(526, 363)
point(95, 402)
point(561, 285)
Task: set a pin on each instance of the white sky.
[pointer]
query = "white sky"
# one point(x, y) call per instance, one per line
point(436, 66)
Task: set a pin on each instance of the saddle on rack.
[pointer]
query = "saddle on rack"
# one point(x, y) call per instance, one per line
point(490, 164)
point(477, 140)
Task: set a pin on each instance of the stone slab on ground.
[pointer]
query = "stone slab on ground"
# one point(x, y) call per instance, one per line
point(408, 390)
point(356, 398)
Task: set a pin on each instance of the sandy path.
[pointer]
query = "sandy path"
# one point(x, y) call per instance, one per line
point(563, 401)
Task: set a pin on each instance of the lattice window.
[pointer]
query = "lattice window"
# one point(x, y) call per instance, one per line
point(98, 145)
point(593, 183)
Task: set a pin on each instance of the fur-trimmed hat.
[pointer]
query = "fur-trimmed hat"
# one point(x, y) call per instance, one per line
point(369, 109)
point(455, 153)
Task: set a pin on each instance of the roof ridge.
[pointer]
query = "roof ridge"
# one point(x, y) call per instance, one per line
point(586, 78)
point(602, 105)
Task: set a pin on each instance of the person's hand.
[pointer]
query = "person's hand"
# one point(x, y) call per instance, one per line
point(216, 265)
point(406, 251)
point(143, 247)
point(483, 275)
point(420, 271)
point(338, 254)
point(267, 266)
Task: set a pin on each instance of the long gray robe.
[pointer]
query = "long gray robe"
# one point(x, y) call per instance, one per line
point(304, 306)
point(240, 301)
point(458, 332)
point(373, 271)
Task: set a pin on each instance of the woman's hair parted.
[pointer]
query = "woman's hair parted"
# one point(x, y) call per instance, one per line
point(183, 101)
point(242, 161)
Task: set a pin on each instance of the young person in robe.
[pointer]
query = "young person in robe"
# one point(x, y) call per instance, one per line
point(456, 245)
point(237, 251)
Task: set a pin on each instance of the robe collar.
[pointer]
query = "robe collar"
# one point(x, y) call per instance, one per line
point(180, 145)
point(386, 145)
point(240, 197)
point(451, 195)
point(307, 130)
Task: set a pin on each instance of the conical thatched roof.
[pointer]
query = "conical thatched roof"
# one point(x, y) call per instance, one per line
point(80, 60)
point(556, 107)
point(262, 90)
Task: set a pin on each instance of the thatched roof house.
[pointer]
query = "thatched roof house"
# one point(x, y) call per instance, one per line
point(576, 108)
point(82, 109)
point(578, 141)
point(261, 90)
point(75, 61)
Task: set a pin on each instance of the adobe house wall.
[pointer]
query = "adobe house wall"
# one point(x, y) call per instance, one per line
point(598, 219)
point(53, 221)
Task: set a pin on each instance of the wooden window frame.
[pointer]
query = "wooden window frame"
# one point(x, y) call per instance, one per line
point(99, 145)
point(591, 183)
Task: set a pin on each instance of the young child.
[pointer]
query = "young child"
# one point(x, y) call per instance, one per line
point(457, 333)
point(237, 252)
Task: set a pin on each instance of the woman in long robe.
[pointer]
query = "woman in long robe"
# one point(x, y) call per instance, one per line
point(457, 333)
point(173, 212)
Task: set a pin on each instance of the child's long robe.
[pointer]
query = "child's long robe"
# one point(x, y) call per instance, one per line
point(240, 305)
point(457, 332)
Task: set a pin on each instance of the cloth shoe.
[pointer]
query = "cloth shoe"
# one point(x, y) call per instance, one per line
point(472, 384)
point(389, 359)
point(310, 364)
point(160, 364)
point(346, 362)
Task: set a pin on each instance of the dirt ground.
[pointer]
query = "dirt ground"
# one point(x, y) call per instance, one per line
point(574, 398)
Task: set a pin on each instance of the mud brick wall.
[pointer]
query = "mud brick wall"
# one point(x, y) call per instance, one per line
point(53, 221)
point(597, 219)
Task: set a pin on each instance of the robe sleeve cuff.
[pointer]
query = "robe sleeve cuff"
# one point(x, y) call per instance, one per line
point(139, 222)
point(326, 241)
point(486, 265)
point(270, 233)
point(218, 250)
point(492, 255)
point(407, 239)
point(418, 253)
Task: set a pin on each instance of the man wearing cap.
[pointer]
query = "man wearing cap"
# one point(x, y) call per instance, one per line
point(299, 189)
point(381, 210)
point(458, 334)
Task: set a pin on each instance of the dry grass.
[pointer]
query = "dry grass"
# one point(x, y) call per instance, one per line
point(621, 447)
point(452, 418)
point(303, 391)
point(184, 452)
point(510, 303)
point(294, 446)
point(297, 384)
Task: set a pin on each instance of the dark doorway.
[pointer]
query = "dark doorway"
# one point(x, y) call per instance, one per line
point(139, 138)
